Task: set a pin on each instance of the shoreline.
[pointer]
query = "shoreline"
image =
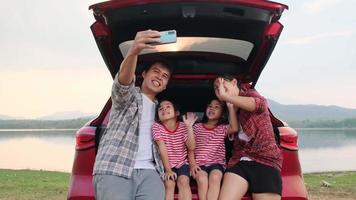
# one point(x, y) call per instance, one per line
point(73, 129)
point(53, 185)
point(38, 129)
point(45, 170)
point(325, 128)
point(325, 172)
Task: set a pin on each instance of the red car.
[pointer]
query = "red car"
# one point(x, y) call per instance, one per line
point(233, 37)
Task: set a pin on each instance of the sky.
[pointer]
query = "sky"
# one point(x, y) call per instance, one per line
point(49, 61)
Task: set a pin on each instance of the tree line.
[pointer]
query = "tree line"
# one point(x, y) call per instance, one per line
point(78, 123)
point(43, 124)
point(346, 123)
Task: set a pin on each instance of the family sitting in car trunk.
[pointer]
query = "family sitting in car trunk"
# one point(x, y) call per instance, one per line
point(147, 151)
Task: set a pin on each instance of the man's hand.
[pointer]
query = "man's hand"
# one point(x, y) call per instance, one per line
point(128, 65)
point(142, 40)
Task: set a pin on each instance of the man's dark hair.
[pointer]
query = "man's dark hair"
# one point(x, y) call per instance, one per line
point(164, 62)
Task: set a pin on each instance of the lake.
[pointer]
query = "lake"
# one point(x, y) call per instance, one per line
point(327, 149)
point(320, 149)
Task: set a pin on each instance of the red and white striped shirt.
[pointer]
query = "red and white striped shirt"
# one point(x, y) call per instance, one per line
point(174, 141)
point(210, 144)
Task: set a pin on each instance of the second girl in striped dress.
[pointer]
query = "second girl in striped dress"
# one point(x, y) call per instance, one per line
point(210, 147)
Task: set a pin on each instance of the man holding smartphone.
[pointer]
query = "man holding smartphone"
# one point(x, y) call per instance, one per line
point(127, 164)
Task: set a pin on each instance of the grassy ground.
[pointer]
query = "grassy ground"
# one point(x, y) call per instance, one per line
point(343, 186)
point(33, 185)
point(44, 185)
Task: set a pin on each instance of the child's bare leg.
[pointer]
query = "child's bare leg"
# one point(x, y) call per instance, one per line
point(233, 187)
point(170, 186)
point(184, 192)
point(215, 177)
point(202, 182)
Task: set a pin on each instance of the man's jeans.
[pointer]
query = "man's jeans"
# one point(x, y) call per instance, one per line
point(144, 184)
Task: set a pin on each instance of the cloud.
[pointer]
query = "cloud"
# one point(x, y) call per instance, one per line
point(318, 6)
point(321, 36)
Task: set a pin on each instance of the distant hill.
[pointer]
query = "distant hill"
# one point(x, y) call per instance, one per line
point(60, 120)
point(286, 113)
point(310, 112)
point(5, 117)
point(43, 124)
point(67, 115)
point(55, 116)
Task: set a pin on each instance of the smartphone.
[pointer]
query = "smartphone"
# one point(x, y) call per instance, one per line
point(167, 37)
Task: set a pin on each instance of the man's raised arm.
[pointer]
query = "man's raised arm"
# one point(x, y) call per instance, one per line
point(128, 65)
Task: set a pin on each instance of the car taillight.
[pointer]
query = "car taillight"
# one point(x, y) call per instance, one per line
point(288, 138)
point(85, 138)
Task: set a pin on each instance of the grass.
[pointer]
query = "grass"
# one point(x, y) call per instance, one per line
point(33, 185)
point(44, 185)
point(343, 185)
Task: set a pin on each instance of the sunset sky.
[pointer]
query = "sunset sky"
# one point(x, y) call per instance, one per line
point(49, 61)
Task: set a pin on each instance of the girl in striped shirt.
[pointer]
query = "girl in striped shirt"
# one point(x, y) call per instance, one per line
point(173, 139)
point(210, 159)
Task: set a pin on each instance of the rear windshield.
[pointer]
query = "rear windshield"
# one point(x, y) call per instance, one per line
point(233, 47)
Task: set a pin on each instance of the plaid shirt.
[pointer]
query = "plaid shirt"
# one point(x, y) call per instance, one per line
point(257, 125)
point(119, 144)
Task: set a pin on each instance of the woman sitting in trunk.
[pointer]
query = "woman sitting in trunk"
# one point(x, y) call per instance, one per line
point(256, 162)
